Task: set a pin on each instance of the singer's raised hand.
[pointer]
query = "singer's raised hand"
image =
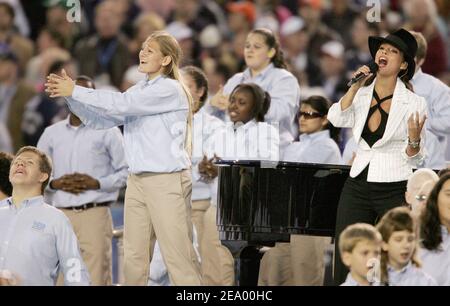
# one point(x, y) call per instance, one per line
point(59, 86)
point(415, 126)
point(347, 99)
point(364, 69)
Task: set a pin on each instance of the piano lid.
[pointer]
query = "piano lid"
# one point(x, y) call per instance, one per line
point(262, 163)
point(263, 201)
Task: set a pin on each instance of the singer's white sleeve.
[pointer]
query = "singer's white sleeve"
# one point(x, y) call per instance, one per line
point(341, 118)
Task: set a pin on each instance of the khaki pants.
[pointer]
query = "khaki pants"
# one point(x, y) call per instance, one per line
point(299, 263)
point(199, 209)
point(217, 261)
point(158, 205)
point(93, 228)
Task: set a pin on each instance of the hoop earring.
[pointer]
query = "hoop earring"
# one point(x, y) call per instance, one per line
point(406, 72)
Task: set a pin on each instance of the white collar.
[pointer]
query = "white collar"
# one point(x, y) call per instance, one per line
point(239, 126)
point(402, 270)
point(68, 125)
point(350, 281)
point(444, 232)
point(417, 75)
point(248, 75)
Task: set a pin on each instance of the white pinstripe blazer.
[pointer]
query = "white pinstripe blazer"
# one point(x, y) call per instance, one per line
point(387, 159)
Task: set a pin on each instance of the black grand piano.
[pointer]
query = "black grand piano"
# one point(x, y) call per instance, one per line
point(260, 203)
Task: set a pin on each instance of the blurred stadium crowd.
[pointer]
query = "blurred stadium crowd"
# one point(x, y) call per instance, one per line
point(324, 41)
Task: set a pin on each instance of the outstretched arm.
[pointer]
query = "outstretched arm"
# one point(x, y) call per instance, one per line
point(159, 97)
point(63, 86)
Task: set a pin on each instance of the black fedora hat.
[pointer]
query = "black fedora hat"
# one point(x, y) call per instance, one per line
point(402, 40)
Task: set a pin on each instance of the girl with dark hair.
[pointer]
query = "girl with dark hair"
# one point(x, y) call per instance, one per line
point(204, 126)
point(197, 83)
point(400, 265)
point(5, 184)
point(247, 137)
point(434, 232)
point(318, 139)
point(266, 68)
point(304, 254)
point(387, 122)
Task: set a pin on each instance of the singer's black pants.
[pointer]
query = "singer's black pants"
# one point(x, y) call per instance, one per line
point(365, 202)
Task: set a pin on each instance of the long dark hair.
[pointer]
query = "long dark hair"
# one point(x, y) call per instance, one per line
point(261, 99)
point(5, 165)
point(430, 228)
point(272, 42)
point(321, 105)
point(403, 77)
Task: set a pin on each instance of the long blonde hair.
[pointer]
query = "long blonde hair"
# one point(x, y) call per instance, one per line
point(169, 46)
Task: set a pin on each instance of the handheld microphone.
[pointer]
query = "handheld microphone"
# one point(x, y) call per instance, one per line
point(373, 68)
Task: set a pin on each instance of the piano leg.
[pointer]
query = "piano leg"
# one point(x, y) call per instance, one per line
point(246, 262)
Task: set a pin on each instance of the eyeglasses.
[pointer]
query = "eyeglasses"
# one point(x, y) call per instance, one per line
point(309, 115)
point(421, 197)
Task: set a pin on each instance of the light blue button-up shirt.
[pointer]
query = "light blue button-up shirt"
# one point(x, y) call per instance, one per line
point(36, 242)
point(409, 276)
point(314, 148)
point(204, 126)
point(284, 91)
point(436, 263)
point(154, 114)
point(437, 96)
point(435, 158)
point(82, 149)
point(350, 281)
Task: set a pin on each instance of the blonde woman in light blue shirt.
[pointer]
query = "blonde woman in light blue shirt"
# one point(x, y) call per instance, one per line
point(204, 126)
point(156, 115)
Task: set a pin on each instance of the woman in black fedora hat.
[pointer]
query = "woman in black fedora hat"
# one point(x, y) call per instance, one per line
point(386, 118)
